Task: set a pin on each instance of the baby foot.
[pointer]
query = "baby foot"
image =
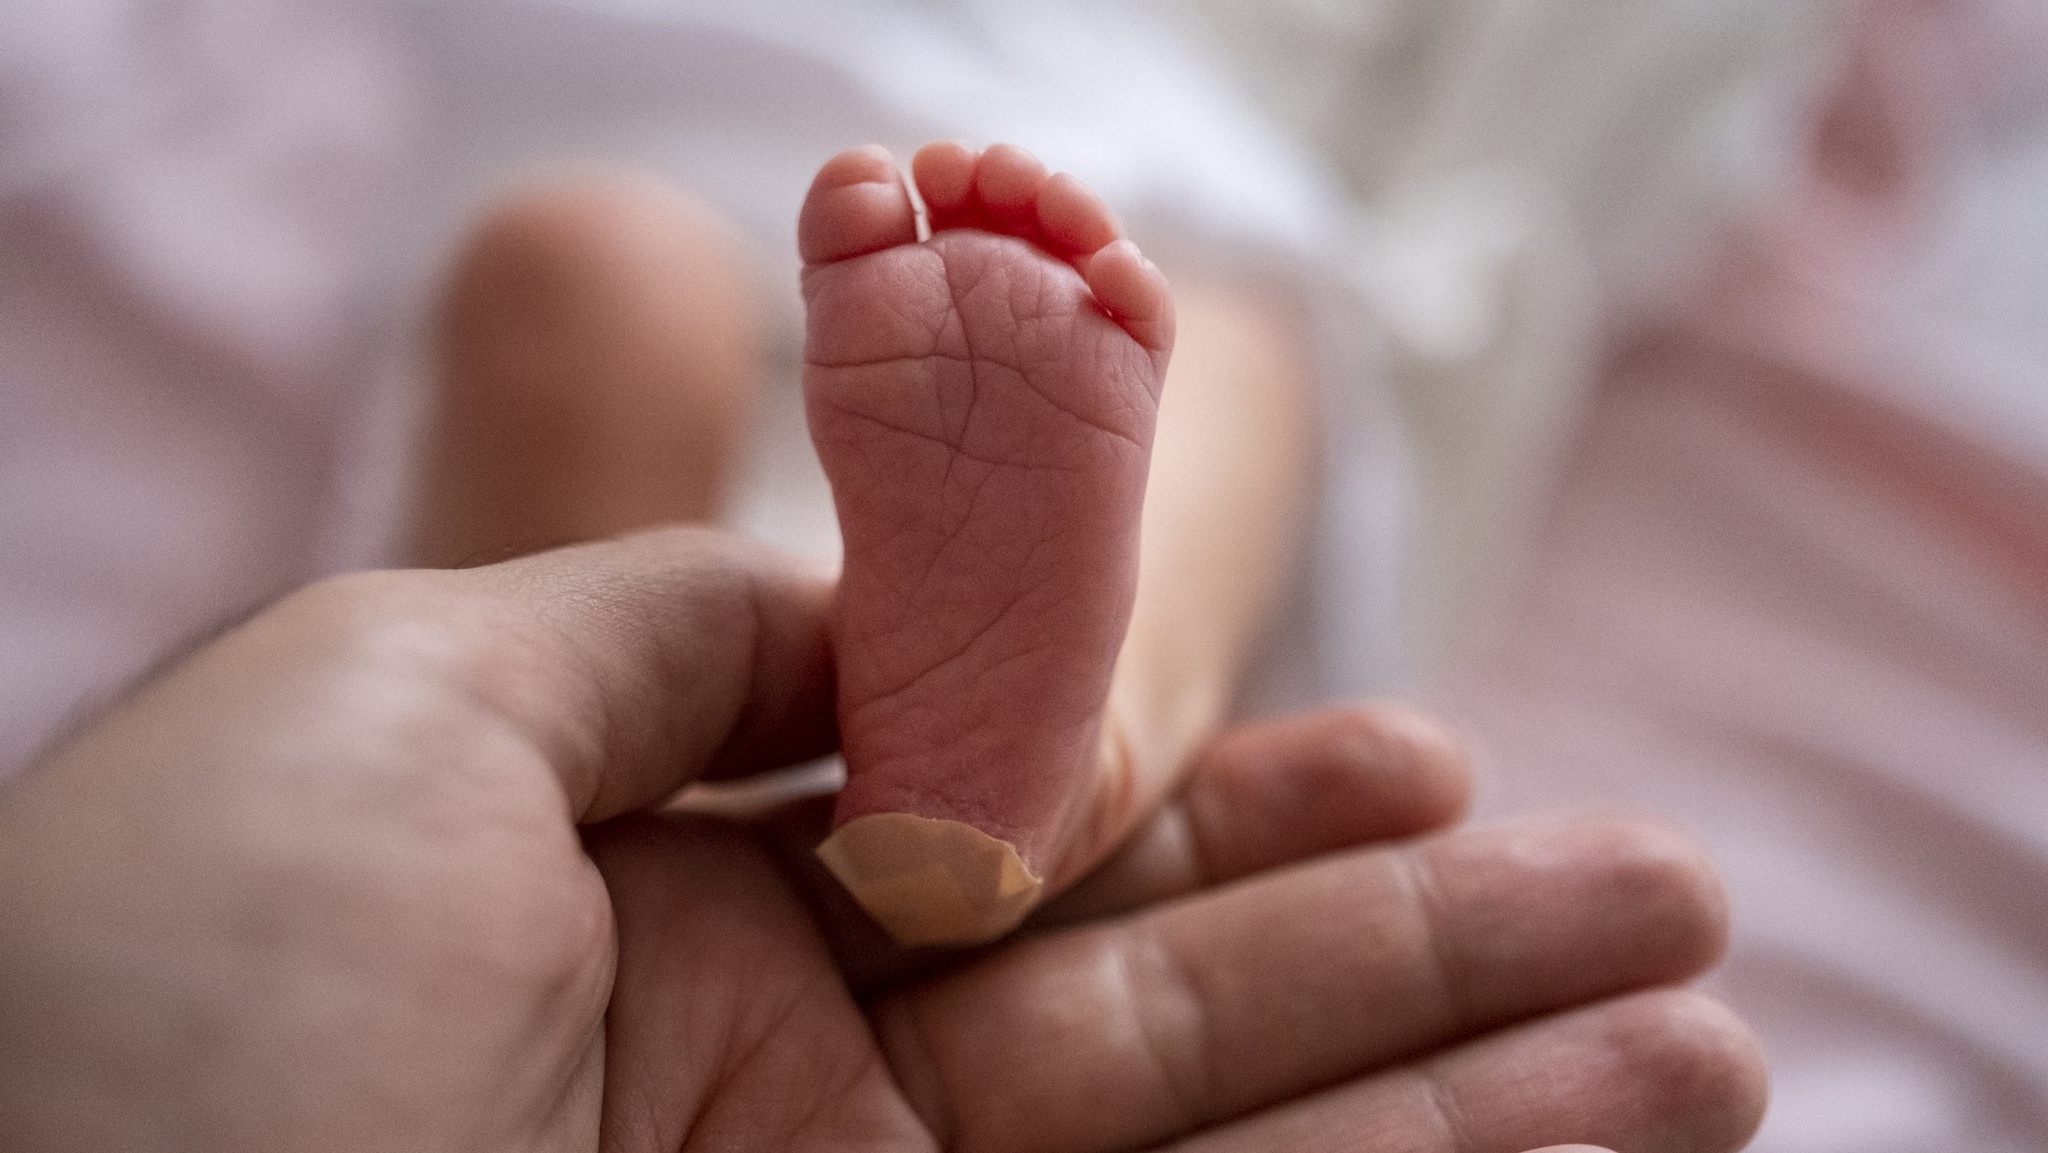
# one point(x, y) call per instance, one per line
point(983, 403)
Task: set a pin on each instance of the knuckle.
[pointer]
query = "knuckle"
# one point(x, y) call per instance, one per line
point(1173, 1006)
point(424, 621)
point(434, 655)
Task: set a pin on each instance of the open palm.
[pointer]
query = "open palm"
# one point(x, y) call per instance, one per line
point(365, 873)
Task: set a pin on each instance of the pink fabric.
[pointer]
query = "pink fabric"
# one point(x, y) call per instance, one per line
point(1793, 592)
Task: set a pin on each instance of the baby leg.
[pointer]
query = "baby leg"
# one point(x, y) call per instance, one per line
point(597, 352)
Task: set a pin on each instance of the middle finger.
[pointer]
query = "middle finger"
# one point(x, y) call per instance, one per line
point(1272, 793)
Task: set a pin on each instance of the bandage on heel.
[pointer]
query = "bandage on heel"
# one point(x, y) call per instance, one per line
point(929, 881)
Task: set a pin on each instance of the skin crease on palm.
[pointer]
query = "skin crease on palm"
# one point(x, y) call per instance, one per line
point(378, 869)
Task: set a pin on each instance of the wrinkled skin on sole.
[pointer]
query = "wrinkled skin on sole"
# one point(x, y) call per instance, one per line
point(986, 422)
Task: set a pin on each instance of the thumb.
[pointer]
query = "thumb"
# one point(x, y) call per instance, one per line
point(627, 669)
point(663, 658)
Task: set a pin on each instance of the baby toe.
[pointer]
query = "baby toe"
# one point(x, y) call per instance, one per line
point(944, 172)
point(1134, 291)
point(1072, 218)
point(1007, 183)
point(857, 204)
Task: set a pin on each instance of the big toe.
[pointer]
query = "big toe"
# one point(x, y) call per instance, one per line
point(856, 205)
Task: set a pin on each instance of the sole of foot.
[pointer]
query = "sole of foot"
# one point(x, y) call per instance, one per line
point(983, 403)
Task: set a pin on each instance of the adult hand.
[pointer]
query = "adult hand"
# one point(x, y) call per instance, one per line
point(363, 874)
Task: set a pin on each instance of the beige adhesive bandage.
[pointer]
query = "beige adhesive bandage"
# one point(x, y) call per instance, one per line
point(930, 881)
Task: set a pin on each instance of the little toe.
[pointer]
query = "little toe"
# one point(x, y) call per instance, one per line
point(1071, 218)
point(1007, 183)
point(856, 205)
point(944, 172)
point(1134, 291)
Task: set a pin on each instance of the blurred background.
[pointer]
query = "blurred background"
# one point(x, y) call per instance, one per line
point(1683, 363)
